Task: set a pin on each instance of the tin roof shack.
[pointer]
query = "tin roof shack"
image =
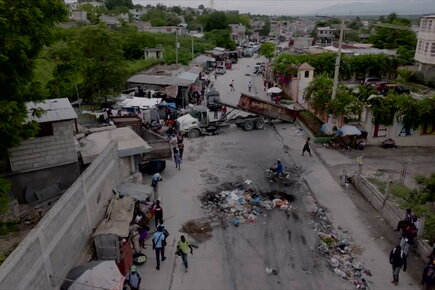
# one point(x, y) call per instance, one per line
point(130, 147)
point(160, 147)
point(159, 82)
point(41, 167)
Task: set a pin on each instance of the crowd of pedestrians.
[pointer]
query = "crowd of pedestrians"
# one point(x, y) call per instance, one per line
point(408, 228)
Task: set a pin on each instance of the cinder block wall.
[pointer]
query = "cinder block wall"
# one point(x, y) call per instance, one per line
point(54, 246)
point(45, 152)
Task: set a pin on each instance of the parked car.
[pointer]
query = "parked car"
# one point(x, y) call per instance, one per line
point(398, 88)
point(220, 70)
point(380, 85)
point(370, 80)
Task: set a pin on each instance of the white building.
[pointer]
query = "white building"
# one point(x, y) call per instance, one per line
point(78, 16)
point(425, 51)
point(238, 32)
point(325, 34)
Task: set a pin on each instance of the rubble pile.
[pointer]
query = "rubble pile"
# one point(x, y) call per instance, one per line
point(241, 203)
point(338, 251)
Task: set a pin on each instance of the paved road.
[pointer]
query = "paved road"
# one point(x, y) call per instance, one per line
point(236, 258)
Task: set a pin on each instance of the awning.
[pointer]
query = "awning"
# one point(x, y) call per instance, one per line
point(134, 190)
point(170, 91)
point(120, 215)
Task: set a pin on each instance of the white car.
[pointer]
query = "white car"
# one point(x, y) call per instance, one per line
point(220, 70)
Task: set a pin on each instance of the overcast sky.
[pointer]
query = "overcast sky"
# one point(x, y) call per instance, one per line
point(301, 7)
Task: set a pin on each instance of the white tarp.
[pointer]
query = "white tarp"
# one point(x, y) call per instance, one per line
point(95, 275)
point(143, 103)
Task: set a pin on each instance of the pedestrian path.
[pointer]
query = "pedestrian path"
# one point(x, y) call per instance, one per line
point(341, 210)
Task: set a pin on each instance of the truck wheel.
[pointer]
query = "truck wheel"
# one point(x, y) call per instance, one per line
point(194, 133)
point(248, 125)
point(259, 124)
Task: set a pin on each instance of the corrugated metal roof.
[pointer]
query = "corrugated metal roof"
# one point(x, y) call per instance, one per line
point(55, 110)
point(159, 80)
point(188, 76)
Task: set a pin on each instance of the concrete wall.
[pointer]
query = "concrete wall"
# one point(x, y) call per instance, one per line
point(45, 152)
point(389, 210)
point(394, 132)
point(56, 244)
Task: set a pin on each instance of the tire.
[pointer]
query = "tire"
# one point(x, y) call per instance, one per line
point(259, 124)
point(248, 125)
point(194, 133)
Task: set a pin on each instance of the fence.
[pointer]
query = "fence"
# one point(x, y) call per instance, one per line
point(389, 210)
point(55, 245)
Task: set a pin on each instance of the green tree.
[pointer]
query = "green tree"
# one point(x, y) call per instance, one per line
point(265, 30)
point(103, 72)
point(404, 74)
point(112, 4)
point(216, 21)
point(267, 49)
point(93, 13)
point(221, 38)
point(318, 93)
point(25, 29)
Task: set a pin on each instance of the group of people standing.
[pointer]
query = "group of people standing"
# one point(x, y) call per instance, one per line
point(139, 232)
point(409, 227)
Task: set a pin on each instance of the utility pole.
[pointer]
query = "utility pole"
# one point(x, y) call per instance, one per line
point(193, 54)
point(337, 61)
point(176, 46)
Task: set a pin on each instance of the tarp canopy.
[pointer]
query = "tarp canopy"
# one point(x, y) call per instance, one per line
point(170, 105)
point(94, 275)
point(348, 130)
point(119, 215)
point(134, 190)
point(143, 103)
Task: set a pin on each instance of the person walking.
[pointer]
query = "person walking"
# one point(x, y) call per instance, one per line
point(133, 278)
point(397, 261)
point(177, 160)
point(174, 144)
point(249, 86)
point(307, 147)
point(181, 150)
point(183, 249)
point(155, 184)
point(158, 213)
point(232, 86)
point(159, 245)
point(408, 219)
point(180, 138)
point(428, 278)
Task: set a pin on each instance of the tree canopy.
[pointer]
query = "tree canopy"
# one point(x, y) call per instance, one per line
point(267, 49)
point(25, 29)
point(403, 39)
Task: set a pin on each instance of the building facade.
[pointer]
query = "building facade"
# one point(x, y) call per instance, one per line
point(425, 50)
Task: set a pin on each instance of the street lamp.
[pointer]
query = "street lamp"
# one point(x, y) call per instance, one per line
point(176, 46)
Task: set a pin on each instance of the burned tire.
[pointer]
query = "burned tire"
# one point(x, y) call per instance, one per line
point(248, 125)
point(259, 124)
point(194, 133)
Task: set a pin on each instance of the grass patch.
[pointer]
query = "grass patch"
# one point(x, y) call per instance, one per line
point(407, 199)
point(137, 65)
point(8, 227)
point(397, 189)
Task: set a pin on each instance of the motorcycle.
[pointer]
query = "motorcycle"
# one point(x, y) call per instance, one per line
point(284, 178)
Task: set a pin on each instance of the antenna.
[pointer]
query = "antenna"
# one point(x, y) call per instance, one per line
point(212, 4)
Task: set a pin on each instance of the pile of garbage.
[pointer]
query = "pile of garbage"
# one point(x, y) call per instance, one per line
point(241, 203)
point(339, 252)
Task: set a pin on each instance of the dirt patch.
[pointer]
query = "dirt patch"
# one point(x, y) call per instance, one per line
point(209, 178)
point(199, 230)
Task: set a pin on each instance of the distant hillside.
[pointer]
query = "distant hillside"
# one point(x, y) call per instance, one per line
point(380, 8)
